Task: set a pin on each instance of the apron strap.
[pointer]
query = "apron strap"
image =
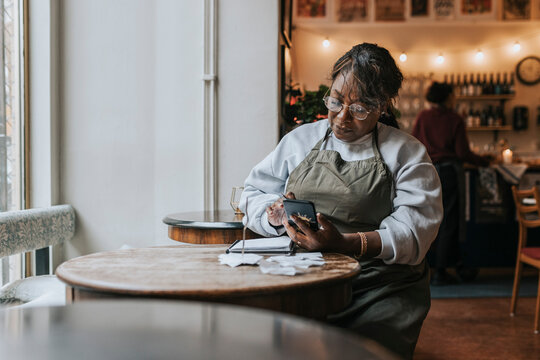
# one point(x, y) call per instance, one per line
point(375, 142)
point(317, 146)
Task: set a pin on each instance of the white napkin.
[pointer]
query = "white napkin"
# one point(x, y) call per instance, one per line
point(301, 260)
point(273, 268)
point(233, 260)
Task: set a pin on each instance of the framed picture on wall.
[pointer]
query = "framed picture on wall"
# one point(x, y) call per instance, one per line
point(351, 10)
point(390, 10)
point(444, 9)
point(516, 9)
point(535, 9)
point(286, 22)
point(419, 8)
point(476, 9)
point(311, 10)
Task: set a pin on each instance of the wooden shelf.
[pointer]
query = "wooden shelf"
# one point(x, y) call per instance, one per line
point(490, 128)
point(486, 97)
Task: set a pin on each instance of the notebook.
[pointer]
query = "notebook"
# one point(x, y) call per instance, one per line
point(277, 245)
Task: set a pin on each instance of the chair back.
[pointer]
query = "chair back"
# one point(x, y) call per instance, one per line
point(527, 204)
point(27, 230)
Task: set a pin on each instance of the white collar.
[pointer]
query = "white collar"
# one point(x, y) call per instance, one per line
point(362, 141)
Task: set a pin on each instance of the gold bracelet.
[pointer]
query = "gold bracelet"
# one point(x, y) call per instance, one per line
point(363, 243)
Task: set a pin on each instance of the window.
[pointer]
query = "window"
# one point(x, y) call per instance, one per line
point(11, 121)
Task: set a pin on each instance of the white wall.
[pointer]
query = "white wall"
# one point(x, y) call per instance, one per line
point(248, 89)
point(131, 89)
point(458, 41)
point(108, 80)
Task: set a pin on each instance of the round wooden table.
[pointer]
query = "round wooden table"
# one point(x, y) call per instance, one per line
point(193, 272)
point(207, 227)
point(153, 329)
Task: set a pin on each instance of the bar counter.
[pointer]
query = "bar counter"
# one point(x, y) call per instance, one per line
point(492, 228)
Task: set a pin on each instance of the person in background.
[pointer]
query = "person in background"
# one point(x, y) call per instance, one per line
point(376, 191)
point(442, 130)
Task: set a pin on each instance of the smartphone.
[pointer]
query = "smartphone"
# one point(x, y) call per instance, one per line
point(304, 209)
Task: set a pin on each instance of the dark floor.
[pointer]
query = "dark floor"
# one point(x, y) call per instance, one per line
point(478, 329)
point(489, 282)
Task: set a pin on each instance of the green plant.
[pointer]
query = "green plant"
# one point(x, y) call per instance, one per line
point(306, 108)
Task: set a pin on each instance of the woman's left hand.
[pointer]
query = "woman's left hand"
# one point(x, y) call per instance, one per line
point(327, 237)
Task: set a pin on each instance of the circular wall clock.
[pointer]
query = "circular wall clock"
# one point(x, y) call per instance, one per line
point(528, 70)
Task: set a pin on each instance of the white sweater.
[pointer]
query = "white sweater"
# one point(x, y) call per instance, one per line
point(406, 233)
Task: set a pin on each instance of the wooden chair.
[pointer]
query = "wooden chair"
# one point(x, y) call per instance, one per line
point(528, 215)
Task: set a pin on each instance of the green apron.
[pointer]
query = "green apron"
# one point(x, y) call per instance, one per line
point(390, 302)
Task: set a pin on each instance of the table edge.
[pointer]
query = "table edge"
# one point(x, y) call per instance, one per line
point(202, 224)
point(78, 284)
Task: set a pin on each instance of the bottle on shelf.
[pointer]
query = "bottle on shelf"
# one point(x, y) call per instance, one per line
point(470, 87)
point(464, 86)
point(478, 86)
point(491, 86)
point(470, 118)
point(497, 87)
point(511, 87)
point(483, 117)
point(490, 115)
point(485, 85)
point(457, 86)
point(505, 88)
point(500, 119)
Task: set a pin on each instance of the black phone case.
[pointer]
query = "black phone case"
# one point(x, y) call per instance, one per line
point(304, 209)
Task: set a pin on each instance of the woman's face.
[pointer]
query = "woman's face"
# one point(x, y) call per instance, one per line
point(344, 125)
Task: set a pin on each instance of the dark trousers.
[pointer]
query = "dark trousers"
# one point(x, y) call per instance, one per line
point(444, 251)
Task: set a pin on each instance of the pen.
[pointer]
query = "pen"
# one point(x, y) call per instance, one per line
point(244, 231)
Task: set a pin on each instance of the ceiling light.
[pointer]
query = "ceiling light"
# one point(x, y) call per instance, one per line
point(403, 57)
point(440, 59)
point(479, 55)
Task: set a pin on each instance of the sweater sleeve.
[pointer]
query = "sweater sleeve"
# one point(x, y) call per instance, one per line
point(268, 179)
point(261, 189)
point(409, 230)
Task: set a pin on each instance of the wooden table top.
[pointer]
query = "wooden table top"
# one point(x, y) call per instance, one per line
point(188, 270)
point(194, 272)
point(153, 329)
point(218, 219)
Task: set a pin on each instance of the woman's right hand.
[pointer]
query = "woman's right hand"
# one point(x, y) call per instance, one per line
point(276, 212)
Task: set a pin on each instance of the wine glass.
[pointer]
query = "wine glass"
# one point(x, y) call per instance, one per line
point(235, 199)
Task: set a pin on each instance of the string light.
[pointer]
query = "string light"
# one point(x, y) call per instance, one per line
point(479, 55)
point(403, 57)
point(440, 59)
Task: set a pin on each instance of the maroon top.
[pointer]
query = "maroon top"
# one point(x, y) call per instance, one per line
point(442, 131)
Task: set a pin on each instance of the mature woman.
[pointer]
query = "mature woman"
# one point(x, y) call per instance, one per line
point(442, 130)
point(376, 191)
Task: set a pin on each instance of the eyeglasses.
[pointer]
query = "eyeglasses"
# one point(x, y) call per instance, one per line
point(357, 111)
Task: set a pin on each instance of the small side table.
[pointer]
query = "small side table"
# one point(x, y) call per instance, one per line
point(207, 227)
